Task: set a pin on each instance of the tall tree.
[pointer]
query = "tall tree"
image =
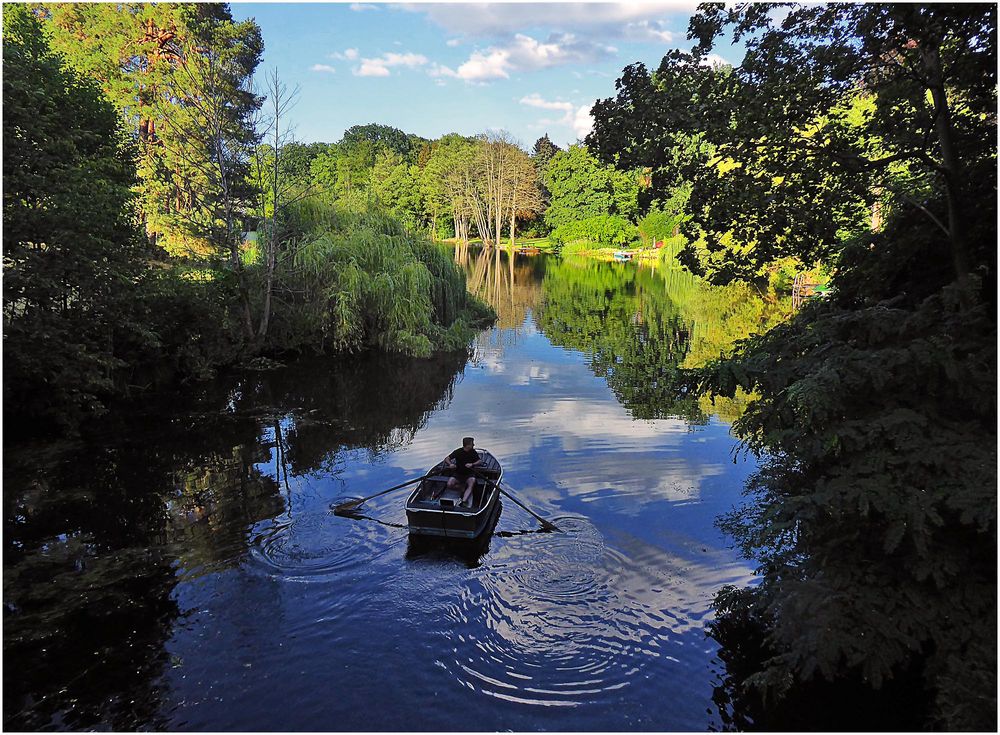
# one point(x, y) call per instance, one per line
point(581, 187)
point(153, 61)
point(452, 157)
point(873, 516)
point(542, 152)
point(379, 136)
point(71, 247)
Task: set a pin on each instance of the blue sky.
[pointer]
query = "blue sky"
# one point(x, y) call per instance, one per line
point(436, 68)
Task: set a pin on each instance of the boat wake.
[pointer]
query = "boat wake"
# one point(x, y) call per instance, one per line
point(314, 545)
point(545, 622)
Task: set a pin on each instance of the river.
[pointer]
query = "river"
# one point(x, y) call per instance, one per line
point(181, 568)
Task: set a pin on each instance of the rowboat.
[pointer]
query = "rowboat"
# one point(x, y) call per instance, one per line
point(622, 255)
point(427, 515)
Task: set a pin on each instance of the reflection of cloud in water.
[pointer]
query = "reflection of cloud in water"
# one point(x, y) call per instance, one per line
point(553, 419)
point(637, 478)
point(575, 618)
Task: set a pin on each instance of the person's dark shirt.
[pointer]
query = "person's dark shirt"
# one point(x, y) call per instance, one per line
point(462, 457)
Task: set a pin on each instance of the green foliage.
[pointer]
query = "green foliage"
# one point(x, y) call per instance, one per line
point(376, 137)
point(664, 220)
point(867, 104)
point(874, 516)
point(395, 185)
point(70, 244)
point(178, 75)
point(358, 281)
point(602, 230)
point(581, 188)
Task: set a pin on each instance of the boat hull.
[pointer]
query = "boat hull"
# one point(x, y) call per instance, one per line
point(442, 517)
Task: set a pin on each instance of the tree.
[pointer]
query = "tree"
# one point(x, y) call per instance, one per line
point(71, 248)
point(581, 187)
point(395, 185)
point(446, 180)
point(379, 136)
point(873, 516)
point(150, 60)
point(526, 200)
point(543, 151)
point(794, 176)
point(297, 158)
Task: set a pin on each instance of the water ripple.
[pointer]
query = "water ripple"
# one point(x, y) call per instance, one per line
point(317, 544)
point(547, 625)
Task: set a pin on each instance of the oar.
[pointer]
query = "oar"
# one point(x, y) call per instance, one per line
point(547, 525)
point(350, 505)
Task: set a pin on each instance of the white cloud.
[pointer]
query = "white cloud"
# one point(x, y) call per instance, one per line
point(323, 67)
point(502, 19)
point(535, 100)
point(479, 67)
point(714, 60)
point(380, 67)
point(371, 68)
point(361, 7)
point(649, 30)
point(453, 42)
point(525, 53)
point(578, 118)
point(583, 122)
point(350, 54)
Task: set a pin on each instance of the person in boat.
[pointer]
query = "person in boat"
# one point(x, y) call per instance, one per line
point(463, 463)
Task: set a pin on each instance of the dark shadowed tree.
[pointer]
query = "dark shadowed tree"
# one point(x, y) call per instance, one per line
point(70, 241)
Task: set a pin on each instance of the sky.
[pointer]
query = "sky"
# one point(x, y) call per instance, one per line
point(435, 68)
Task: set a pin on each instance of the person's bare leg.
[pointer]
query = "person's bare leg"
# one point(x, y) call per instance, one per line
point(452, 482)
point(468, 490)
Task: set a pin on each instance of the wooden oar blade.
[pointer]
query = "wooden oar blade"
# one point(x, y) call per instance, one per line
point(546, 525)
point(347, 509)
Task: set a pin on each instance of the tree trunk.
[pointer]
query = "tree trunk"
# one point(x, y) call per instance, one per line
point(931, 58)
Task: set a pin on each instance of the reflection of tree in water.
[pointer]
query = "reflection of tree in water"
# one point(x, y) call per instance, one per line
point(372, 401)
point(816, 704)
point(642, 327)
point(89, 567)
point(511, 284)
point(96, 534)
point(633, 334)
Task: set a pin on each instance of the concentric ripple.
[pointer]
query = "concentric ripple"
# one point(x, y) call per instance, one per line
point(318, 544)
point(549, 626)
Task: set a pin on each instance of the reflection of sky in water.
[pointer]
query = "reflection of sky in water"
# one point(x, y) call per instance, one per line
point(600, 627)
point(564, 438)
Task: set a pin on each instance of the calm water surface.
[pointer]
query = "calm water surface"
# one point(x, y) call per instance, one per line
point(182, 568)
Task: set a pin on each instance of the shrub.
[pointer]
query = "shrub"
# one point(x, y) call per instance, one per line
point(605, 230)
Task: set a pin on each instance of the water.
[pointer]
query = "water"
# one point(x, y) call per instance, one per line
point(182, 568)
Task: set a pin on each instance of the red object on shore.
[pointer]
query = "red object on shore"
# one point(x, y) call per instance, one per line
point(658, 244)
